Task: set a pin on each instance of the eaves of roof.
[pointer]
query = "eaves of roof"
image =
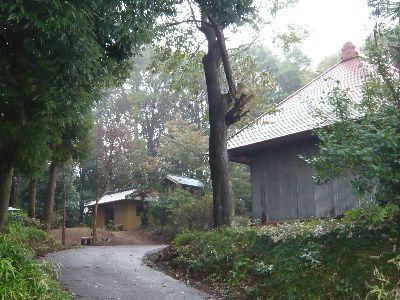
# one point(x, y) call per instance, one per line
point(296, 114)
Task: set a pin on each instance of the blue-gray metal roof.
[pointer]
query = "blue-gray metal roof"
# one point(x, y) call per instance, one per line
point(185, 181)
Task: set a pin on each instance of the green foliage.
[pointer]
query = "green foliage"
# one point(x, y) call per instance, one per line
point(21, 275)
point(72, 190)
point(241, 188)
point(117, 152)
point(364, 141)
point(289, 74)
point(327, 62)
point(227, 12)
point(182, 68)
point(109, 225)
point(385, 287)
point(182, 210)
point(195, 213)
point(56, 57)
point(367, 148)
point(20, 218)
point(76, 140)
point(317, 259)
point(183, 149)
point(290, 37)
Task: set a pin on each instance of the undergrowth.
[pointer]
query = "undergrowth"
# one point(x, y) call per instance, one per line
point(21, 275)
point(356, 257)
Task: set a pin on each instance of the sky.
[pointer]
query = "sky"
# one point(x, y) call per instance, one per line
point(330, 23)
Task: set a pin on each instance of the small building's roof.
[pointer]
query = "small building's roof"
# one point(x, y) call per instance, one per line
point(185, 181)
point(13, 209)
point(130, 194)
point(297, 113)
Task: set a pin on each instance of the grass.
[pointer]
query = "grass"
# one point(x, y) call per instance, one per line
point(21, 275)
point(356, 257)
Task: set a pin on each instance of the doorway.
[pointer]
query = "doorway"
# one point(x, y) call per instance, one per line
point(109, 215)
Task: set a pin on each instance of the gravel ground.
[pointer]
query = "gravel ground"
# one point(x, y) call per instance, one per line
point(117, 272)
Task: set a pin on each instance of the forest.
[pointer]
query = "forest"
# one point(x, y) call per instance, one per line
point(154, 124)
point(149, 128)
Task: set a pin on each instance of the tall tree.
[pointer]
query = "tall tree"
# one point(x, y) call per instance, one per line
point(226, 99)
point(224, 108)
point(50, 192)
point(115, 149)
point(157, 95)
point(75, 142)
point(47, 74)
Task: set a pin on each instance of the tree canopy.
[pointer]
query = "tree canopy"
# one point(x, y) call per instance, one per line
point(55, 57)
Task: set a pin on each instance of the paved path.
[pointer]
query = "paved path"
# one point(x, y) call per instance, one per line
point(117, 272)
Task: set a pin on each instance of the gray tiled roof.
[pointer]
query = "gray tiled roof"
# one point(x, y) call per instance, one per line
point(296, 113)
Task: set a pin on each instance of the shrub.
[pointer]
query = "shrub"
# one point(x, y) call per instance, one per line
point(110, 225)
point(329, 259)
point(182, 210)
point(386, 287)
point(195, 213)
point(21, 276)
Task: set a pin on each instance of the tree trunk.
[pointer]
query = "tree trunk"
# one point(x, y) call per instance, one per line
point(32, 197)
point(5, 187)
point(218, 156)
point(81, 203)
point(49, 201)
point(63, 211)
point(94, 217)
point(163, 212)
point(14, 193)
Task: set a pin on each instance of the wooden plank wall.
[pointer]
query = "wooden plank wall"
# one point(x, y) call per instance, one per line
point(283, 187)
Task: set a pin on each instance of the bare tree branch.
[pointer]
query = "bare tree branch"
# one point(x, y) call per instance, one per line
point(193, 14)
point(242, 48)
point(187, 21)
point(236, 112)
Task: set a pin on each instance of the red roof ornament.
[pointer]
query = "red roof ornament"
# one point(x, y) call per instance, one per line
point(348, 51)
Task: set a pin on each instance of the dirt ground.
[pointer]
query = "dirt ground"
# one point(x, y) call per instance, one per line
point(104, 238)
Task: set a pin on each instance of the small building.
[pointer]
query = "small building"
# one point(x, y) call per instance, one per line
point(121, 208)
point(282, 185)
point(13, 209)
point(192, 185)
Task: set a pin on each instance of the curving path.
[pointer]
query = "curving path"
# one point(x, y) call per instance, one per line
point(117, 272)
